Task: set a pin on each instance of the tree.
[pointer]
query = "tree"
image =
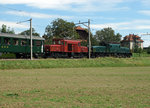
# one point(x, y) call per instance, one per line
point(137, 50)
point(107, 35)
point(27, 32)
point(60, 28)
point(148, 50)
point(94, 41)
point(5, 30)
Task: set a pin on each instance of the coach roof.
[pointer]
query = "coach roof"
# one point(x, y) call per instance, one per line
point(20, 36)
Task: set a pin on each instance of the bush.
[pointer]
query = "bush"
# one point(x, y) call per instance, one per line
point(8, 56)
point(148, 50)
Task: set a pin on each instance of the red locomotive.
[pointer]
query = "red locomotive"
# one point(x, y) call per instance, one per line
point(65, 48)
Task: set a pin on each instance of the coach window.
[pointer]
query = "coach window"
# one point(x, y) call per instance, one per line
point(32, 42)
point(38, 43)
point(6, 41)
point(15, 42)
point(23, 42)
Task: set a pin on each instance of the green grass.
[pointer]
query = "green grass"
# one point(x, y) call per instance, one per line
point(144, 54)
point(75, 63)
point(107, 87)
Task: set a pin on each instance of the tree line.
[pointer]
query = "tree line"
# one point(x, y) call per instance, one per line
point(60, 28)
point(5, 29)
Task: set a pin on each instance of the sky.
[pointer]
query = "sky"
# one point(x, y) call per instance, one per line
point(124, 16)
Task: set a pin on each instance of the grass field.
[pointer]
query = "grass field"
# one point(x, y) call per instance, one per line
point(106, 87)
point(75, 63)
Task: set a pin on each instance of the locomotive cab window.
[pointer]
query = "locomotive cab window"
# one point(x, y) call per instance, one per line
point(65, 43)
point(69, 47)
point(79, 44)
point(59, 42)
point(62, 43)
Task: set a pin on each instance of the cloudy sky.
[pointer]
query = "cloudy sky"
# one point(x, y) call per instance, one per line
point(124, 16)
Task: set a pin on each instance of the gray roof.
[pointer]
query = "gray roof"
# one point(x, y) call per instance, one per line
point(20, 36)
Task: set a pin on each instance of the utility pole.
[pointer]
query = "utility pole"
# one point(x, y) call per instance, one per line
point(88, 26)
point(31, 53)
point(89, 39)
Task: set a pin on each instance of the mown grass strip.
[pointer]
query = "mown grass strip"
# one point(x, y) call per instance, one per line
point(74, 63)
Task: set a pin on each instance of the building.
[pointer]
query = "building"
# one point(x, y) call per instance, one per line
point(131, 41)
point(83, 33)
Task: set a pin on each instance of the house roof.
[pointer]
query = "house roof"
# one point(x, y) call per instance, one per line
point(132, 37)
point(79, 28)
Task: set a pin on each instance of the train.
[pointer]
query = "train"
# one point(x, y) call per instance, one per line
point(61, 48)
point(20, 45)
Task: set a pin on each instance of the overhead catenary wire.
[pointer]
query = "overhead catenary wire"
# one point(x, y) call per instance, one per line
point(2, 6)
point(22, 17)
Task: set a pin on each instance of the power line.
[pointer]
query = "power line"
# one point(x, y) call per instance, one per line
point(10, 8)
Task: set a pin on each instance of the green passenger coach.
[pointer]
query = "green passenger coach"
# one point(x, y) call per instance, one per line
point(20, 45)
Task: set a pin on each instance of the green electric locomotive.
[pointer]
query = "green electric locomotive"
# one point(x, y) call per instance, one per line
point(111, 50)
point(20, 45)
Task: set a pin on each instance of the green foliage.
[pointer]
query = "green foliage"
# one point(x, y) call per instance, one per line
point(94, 41)
point(107, 35)
point(27, 32)
point(84, 43)
point(143, 54)
point(148, 50)
point(8, 56)
point(138, 50)
point(4, 29)
point(48, 39)
point(60, 28)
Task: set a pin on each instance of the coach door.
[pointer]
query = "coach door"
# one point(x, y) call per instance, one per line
point(73, 47)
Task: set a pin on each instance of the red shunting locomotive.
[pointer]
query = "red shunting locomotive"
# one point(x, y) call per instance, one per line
point(62, 48)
